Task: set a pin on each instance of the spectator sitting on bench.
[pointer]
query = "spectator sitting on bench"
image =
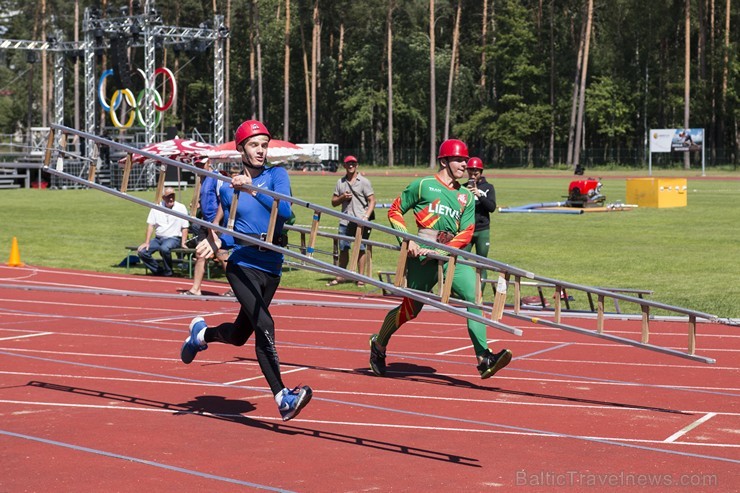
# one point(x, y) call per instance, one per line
point(163, 233)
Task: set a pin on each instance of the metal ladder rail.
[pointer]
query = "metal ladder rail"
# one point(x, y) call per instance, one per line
point(503, 268)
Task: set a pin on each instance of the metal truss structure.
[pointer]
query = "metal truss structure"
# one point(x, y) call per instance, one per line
point(144, 30)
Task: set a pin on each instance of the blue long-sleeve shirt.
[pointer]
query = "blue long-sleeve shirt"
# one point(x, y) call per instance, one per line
point(253, 218)
point(209, 198)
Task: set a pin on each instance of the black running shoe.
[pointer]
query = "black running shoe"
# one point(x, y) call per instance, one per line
point(377, 357)
point(493, 362)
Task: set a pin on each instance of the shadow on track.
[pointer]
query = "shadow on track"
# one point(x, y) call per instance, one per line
point(218, 407)
point(427, 374)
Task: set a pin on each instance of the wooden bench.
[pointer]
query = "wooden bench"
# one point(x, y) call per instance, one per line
point(567, 299)
point(388, 276)
point(182, 254)
point(630, 291)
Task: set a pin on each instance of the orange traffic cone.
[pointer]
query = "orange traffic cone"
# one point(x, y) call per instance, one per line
point(15, 255)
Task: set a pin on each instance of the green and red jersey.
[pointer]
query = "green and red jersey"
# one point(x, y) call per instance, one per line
point(437, 206)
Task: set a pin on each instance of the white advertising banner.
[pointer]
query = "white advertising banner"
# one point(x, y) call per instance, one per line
point(676, 139)
point(660, 139)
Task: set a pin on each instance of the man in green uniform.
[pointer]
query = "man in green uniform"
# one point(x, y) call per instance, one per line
point(445, 213)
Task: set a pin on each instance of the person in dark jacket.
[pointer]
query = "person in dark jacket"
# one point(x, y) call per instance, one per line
point(485, 204)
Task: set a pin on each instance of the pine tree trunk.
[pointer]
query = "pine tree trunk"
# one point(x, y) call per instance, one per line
point(451, 78)
point(701, 47)
point(340, 55)
point(551, 151)
point(483, 35)
point(716, 137)
point(574, 101)
point(307, 83)
point(258, 42)
point(582, 90)
point(44, 71)
point(432, 92)
point(389, 23)
point(286, 75)
point(77, 67)
point(252, 70)
point(725, 71)
point(314, 64)
point(687, 80)
point(227, 75)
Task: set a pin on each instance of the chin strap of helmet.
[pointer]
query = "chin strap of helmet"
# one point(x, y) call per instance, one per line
point(248, 164)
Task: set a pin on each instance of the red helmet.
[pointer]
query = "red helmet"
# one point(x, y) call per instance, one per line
point(475, 163)
point(350, 159)
point(453, 148)
point(248, 129)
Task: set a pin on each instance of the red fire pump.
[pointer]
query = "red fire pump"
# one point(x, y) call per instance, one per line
point(585, 193)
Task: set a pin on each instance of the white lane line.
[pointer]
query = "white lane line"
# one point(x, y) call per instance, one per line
point(26, 335)
point(690, 427)
point(539, 380)
point(134, 408)
point(234, 382)
point(85, 305)
point(464, 348)
point(173, 318)
point(251, 379)
point(546, 350)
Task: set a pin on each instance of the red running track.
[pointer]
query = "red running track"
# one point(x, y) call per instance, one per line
point(94, 398)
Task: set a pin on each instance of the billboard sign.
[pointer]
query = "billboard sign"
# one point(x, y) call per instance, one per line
point(676, 139)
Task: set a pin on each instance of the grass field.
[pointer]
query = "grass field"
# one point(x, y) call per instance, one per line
point(689, 256)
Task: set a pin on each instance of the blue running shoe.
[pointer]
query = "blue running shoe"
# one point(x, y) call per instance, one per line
point(191, 347)
point(294, 400)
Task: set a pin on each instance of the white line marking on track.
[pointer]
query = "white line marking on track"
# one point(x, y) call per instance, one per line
point(457, 375)
point(690, 427)
point(84, 305)
point(464, 348)
point(116, 379)
point(127, 356)
point(251, 379)
point(546, 350)
point(183, 317)
point(234, 382)
point(497, 401)
point(363, 424)
point(26, 335)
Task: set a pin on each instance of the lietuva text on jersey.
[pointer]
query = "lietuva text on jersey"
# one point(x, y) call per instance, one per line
point(436, 206)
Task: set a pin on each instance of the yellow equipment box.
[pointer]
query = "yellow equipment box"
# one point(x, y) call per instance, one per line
point(657, 192)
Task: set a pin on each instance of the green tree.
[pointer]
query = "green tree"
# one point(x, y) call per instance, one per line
point(609, 109)
point(521, 113)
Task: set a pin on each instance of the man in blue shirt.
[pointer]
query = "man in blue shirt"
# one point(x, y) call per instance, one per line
point(209, 206)
point(253, 272)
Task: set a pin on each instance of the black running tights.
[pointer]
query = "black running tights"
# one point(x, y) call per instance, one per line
point(254, 289)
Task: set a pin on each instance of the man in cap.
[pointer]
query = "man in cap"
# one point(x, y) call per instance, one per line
point(444, 213)
point(163, 233)
point(355, 194)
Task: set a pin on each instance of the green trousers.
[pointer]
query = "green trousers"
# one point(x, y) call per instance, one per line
point(422, 275)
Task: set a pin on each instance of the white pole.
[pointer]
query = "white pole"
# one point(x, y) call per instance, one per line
point(703, 144)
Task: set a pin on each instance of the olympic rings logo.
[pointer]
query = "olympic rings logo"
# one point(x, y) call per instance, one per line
point(135, 103)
